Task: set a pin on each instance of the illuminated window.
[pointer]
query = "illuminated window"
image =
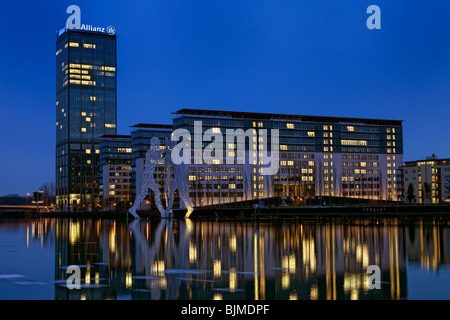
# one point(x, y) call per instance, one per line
point(83, 129)
point(88, 45)
point(290, 125)
point(283, 147)
point(311, 134)
point(74, 71)
point(75, 81)
point(93, 98)
point(350, 128)
point(88, 119)
point(216, 130)
point(73, 44)
point(260, 124)
point(354, 142)
point(74, 65)
point(109, 68)
point(86, 77)
point(88, 151)
point(325, 127)
point(109, 125)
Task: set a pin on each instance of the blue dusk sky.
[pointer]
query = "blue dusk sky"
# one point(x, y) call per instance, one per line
point(278, 56)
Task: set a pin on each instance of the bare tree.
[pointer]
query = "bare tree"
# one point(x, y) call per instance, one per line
point(48, 189)
point(427, 192)
point(320, 177)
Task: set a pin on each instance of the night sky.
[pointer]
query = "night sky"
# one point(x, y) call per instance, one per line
point(297, 57)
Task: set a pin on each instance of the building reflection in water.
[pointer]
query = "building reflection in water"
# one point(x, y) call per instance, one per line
point(186, 259)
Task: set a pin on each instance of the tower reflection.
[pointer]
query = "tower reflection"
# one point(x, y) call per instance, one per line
point(186, 259)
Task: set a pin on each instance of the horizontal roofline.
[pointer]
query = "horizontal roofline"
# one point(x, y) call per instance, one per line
point(426, 160)
point(277, 116)
point(115, 136)
point(152, 126)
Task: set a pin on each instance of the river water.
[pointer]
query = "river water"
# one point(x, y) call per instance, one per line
point(196, 260)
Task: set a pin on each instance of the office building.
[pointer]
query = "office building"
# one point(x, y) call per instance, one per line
point(318, 156)
point(86, 109)
point(430, 179)
point(115, 170)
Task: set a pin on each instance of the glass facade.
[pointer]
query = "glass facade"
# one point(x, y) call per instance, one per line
point(86, 109)
point(115, 169)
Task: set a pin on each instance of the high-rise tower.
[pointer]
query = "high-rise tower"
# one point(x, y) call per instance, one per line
point(86, 109)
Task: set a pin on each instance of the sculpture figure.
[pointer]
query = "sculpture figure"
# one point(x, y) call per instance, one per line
point(152, 159)
point(178, 182)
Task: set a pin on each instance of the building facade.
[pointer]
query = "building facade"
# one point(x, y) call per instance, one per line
point(318, 156)
point(86, 109)
point(430, 180)
point(115, 170)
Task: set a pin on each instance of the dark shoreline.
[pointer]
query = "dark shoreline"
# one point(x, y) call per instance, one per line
point(271, 213)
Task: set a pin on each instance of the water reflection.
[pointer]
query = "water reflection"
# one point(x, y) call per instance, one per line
point(186, 259)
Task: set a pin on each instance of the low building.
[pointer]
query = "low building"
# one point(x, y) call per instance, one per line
point(318, 156)
point(430, 179)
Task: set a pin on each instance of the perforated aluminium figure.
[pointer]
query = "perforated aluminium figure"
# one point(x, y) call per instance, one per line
point(178, 177)
point(152, 159)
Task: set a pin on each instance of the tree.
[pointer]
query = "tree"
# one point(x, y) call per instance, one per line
point(447, 186)
point(410, 194)
point(427, 192)
point(48, 189)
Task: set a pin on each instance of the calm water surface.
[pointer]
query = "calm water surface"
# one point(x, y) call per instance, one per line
point(146, 259)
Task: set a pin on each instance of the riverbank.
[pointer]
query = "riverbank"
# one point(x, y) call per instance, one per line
point(287, 212)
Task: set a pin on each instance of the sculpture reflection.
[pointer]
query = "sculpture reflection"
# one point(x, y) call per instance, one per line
point(184, 259)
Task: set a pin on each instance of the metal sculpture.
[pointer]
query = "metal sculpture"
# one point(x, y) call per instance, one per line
point(154, 158)
point(178, 182)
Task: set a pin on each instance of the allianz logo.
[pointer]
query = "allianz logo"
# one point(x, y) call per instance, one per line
point(74, 22)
